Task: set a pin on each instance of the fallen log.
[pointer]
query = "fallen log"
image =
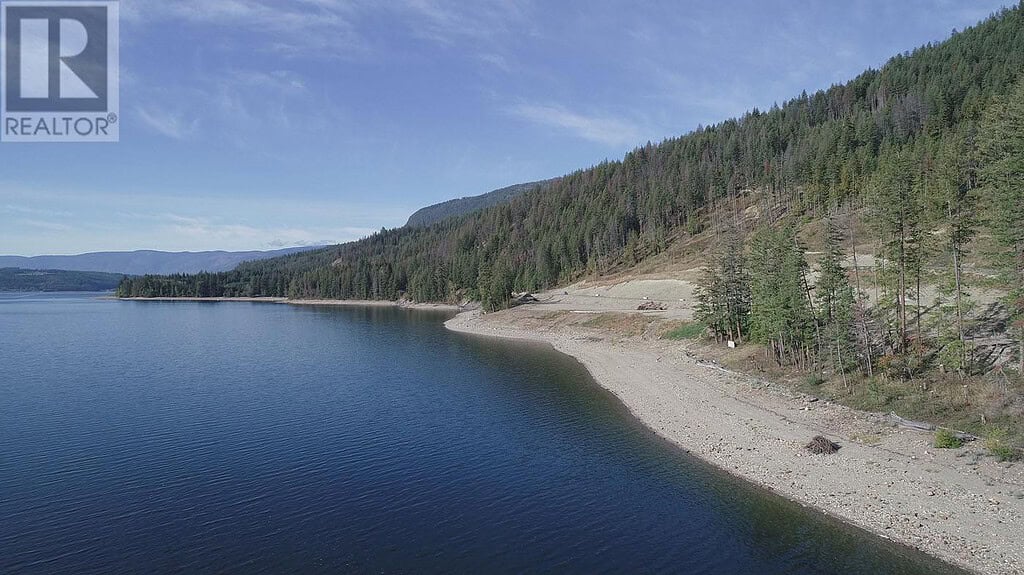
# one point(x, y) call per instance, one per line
point(924, 426)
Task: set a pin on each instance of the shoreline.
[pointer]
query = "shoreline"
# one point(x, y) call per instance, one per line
point(309, 302)
point(950, 504)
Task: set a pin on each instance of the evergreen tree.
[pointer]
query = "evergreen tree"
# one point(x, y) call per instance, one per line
point(954, 206)
point(896, 217)
point(780, 317)
point(1002, 144)
point(499, 292)
point(723, 294)
point(835, 301)
point(484, 282)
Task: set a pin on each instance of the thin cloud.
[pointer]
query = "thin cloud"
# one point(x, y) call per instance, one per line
point(17, 209)
point(303, 28)
point(284, 81)
point(448, 22)
point(45, 225)
point(167, 123)
point(496, 61)
point(605, 130)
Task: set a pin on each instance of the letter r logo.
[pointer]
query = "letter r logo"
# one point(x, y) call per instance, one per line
point(57, 56)
point(35, 60)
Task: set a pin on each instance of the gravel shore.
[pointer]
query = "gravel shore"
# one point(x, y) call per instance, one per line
point(959, 505)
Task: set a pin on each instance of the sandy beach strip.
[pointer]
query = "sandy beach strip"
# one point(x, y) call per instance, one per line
point(959, 505)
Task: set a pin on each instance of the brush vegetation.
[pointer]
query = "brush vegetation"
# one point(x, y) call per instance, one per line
point(946, 439)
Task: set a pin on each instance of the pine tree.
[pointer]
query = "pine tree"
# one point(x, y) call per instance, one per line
point(723, 294)
point(896, 217)
point(710, 308)
point(953, 203)
point(499, 289)
point(483, 285)
point(780, 317)
point(1002, 145)
point(835, 300)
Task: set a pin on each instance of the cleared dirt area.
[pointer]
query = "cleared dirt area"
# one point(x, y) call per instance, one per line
point(592, 297)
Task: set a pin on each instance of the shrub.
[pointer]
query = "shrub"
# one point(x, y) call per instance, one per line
point(822, 446)
point(946, 439)
point(814, 380)
point(999, 446)
point(689, 330)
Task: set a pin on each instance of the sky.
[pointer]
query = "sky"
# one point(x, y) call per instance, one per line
point(260, 124)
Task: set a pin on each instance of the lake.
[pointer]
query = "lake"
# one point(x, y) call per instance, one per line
point(190, 437)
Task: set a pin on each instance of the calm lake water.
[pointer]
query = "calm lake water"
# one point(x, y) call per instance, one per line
point(256, 438)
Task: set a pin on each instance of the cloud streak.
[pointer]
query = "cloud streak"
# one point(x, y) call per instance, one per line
point(607, 130)
point(167, 123)
point(448, 22)
point(307, 28)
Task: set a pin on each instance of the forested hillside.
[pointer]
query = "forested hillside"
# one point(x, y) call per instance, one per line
point(19, 280)
point(934, 132)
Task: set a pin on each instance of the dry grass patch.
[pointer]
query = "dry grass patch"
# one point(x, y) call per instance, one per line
point(624, 324)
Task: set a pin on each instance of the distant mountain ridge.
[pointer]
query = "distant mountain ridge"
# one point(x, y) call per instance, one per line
point(144, 262)
point(438, 212)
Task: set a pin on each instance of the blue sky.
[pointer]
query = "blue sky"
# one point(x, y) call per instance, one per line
point(257, 124)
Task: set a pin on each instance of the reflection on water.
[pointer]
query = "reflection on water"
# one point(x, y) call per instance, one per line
point(189, 437)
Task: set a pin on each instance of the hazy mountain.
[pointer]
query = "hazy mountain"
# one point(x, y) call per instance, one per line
point(444, 210)
point(144, 261)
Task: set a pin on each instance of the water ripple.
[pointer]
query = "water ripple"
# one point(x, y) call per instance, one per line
point(269, 439)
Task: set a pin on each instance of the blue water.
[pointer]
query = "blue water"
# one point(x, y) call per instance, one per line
point(255, 438)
